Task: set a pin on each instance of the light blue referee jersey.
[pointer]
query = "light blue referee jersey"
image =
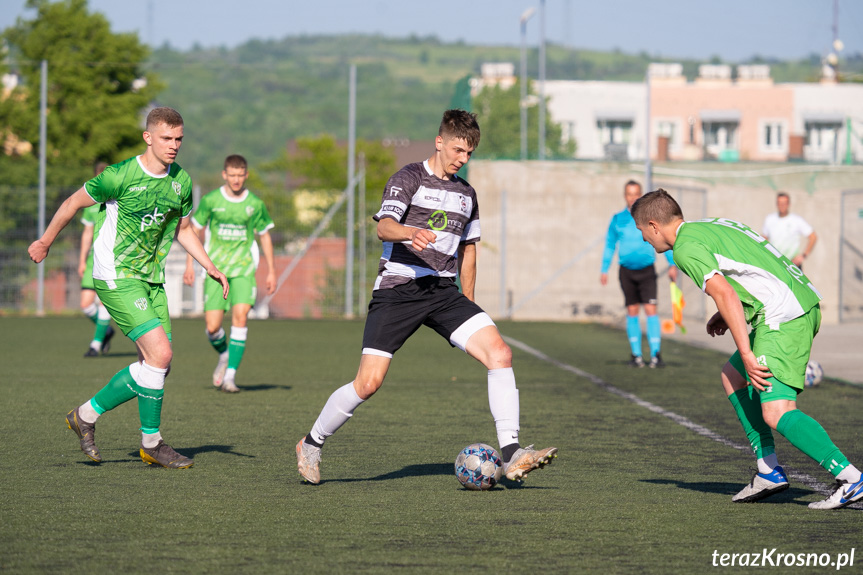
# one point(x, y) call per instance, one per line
point(634, 252)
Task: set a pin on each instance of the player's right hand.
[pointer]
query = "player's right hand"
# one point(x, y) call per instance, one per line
point(603, 279)
point(220, 277)
point(421, 238)
point(38, 251)
point(82, 267)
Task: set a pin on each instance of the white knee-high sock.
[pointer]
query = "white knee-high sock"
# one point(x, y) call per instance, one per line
point(503, 401)
point(336, 412)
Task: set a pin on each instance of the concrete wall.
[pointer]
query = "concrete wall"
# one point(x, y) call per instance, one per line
point(557, 214)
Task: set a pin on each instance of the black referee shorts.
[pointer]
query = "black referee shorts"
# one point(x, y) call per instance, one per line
point(639, 286)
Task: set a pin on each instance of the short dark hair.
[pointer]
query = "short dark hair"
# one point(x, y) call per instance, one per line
point(631, 183)
point(658, 206)
point(460, 124)
point(236, 161)
point(99, 167)
point(163, 115)
point(782, 195)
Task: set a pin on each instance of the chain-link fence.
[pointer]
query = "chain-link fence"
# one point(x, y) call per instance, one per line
point(316, 286)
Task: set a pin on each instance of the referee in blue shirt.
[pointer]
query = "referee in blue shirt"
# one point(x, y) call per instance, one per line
point(637, 277)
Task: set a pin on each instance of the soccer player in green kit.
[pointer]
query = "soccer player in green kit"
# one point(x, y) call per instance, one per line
point(228, 218)
point(753, 283)
point(147, 200)
point(92, 308)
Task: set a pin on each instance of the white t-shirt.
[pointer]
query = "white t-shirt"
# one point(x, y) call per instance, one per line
point(786, 233)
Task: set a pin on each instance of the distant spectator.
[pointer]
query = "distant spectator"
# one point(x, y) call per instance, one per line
point(786, 231)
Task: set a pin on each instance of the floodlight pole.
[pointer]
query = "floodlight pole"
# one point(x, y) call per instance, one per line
point(648, 167)
point(541, 80)
point(352, 152)
point(43, 151)
point(526, 15)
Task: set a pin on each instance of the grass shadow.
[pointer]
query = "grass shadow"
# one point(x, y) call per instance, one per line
point(193, 451)
point(263, 387)
point(791, 495)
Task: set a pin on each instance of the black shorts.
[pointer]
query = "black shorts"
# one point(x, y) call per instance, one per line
point(639, 286)
point(396, 313)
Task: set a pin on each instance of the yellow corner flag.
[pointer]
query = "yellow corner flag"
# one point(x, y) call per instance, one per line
point(677, 305)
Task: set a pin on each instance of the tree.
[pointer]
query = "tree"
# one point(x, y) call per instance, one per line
point(499, 118)
point(97, 92)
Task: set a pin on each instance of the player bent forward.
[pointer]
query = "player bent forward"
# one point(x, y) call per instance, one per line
point(128, 273)
point(753, 283)
point(429, 225)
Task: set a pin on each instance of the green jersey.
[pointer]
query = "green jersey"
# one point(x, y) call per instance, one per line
point(89, 217)
point(141, 213)
point(771, 288)
point(232, 222)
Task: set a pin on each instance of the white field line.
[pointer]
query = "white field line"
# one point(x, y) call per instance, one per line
point(803, 478)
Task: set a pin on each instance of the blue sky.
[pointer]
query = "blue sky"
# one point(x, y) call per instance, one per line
point(732, 29)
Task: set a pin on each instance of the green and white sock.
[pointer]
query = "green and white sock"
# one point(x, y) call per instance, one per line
point(808, 436)
point(119, 390)
point(91, 311)
point(218, 340)
point(236, 348)
point(747, 406)
point(150, 389)
point(102, 322)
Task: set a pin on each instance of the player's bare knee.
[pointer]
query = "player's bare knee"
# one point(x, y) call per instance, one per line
point(501, 354)
point(366, 388)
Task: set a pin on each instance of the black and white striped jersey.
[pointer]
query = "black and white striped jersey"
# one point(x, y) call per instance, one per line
point(415, 197)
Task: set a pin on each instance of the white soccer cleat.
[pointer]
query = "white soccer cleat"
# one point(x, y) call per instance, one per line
point(221, 368)
point(846, 493)
point(229, 386)
point(309, 461)
point(763, 485)
point(526, 459)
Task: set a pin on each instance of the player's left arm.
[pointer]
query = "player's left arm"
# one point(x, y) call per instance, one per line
point(267, 249)
point(467, 269)
point(731, 313)
point(188, 238)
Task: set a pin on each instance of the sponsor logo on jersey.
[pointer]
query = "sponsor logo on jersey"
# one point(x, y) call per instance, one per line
point(395, 209)
point(137, 188)
point(177, 187)
point(141, 303)
point(463, 204)
point(395, 190)
point(433, 198)
point(154, 218)
point(438, 220)
point(250, 210)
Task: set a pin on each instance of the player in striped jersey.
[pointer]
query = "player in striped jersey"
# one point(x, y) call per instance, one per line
point(753, 283)
point(429, 225)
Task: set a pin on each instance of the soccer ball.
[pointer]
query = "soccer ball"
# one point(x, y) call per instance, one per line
point(814, 373)
point(478, 467)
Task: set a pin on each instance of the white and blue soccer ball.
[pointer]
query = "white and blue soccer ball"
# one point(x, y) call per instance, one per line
point(478, 467)
point(814, 373)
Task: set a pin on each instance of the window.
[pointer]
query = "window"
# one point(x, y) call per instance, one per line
point(667, 128)
point(773, 136)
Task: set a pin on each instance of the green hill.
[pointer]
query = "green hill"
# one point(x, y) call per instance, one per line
point(254, 98)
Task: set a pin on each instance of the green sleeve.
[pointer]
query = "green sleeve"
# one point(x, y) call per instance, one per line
point(696, 261)
point(264, 221)
point(105, 186)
